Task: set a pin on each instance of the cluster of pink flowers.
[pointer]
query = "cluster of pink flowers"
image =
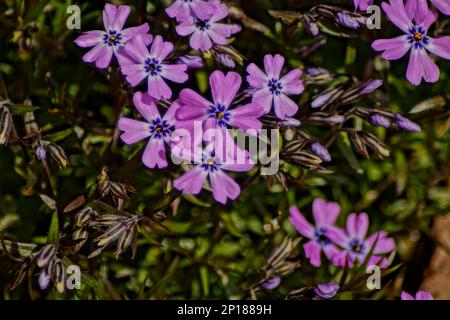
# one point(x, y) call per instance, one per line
point(143, 59)
point(342, 246)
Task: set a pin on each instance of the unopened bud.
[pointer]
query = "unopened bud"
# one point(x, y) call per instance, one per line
point(6, 123)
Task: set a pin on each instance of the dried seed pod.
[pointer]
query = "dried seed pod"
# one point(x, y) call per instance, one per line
point(46, 254)
point(358, 91)
point(119, 190)
point(304, 159)
point(327, 97)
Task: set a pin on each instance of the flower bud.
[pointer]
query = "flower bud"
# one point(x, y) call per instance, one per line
point(271, 283)
point(6, 123)
point(226, 60)
point(321, 151)
point(83, 217)
point(406, 124)
point(326, 119)
point(44, 279)
point(379, 120)
point(359, 145)
point(60, 276)
point(344, 19)
point(358, 91)
point(375, 144)
point(58, 155)
point(326, 290)
point(305, 159)
point(326, 97)
point(46, 254)
point(192, 62)
point(310, 25)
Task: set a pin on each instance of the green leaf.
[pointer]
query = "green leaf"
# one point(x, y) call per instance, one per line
point(34, 12)
point(18, 109)
point(53, 233)
point(348, 153)
point(60, 135)
point(204, 278)
point(162, 203)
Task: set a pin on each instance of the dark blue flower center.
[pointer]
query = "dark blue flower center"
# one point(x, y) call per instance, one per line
point(275, 87)
point(161, 128)
point(356, 246)
point(112, 38)
point(320, 237)
point(188, 1)
point(202, 25)
point(220, 113)
point(418, 37)
point(152, 66)
point(209, 162)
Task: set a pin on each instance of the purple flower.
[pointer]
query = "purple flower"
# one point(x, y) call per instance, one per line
point(325, 215)
point(362, 5)
point(406, 124)
point(107, 43)
point(379, 120)
point(416, 5)
point(420, 295)
point(192, 62)
point(156, 129)
point(327, 290)
point(205, 32)
point(355, 244)
point(321, 151)
point(271, 283)
point(272, 90)
point(182, 9)
point(415, 38)
point(315, 71)
point(219, 114)
point(150, 66)
point(211, 166)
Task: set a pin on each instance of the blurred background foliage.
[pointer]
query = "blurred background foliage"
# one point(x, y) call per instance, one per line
point(205, 250)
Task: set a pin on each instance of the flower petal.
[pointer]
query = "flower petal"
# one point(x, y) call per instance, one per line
point(160, 48)
point(394, 48)
point(223, 187)
point(264, 98)
point(312, 252)
point(421, 66)
point(396, 13)
point(256, 78)
point(89, 38)
point(155, 154)
point(224, 88)
point(300, 223)
point(440, 46)
point(273, 65)
point(325, 213)
point(357, 225)
point(246, 117)
point(284, 107)
point(292, 83)
point(146, 106)
point(134, 130)
point(158, 88)
point(175, 72)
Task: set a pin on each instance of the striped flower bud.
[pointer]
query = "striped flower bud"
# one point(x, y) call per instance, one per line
point(6, 123)
point(46, 254)
point(60, 276)
point(58, 155)
point(44, 279)
point(321, 151)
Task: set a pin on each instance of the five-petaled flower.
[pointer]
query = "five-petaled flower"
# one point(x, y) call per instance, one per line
point(205, 32)
point(183, 9)
point(157, 129)
point(272, 90)
point(415, 38)
point(325, 215)
point(220, 114)
point(211, 166)
point(151, 65)
point(356, 246)
point(107, 43)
